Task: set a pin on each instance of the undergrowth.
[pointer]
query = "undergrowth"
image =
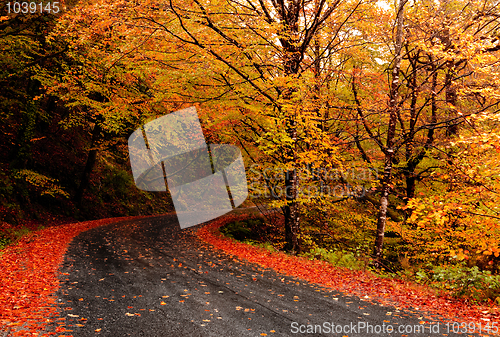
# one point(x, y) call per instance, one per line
point(9, 236)
point(458, 280)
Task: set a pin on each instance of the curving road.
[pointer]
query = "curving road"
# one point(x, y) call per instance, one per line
point(146, 277)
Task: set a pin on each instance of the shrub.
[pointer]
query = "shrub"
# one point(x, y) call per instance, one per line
point(241, 230)
point(4, 241)
point(463, 281)
point(342, 258)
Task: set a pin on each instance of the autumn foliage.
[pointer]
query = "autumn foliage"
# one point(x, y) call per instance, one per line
point(29, 277)
point(407, 91)
point(390, 292)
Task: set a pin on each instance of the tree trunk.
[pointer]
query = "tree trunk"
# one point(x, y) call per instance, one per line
point(389, 150)
point(292, 225)
point(89, 166)
point(451, 99)
point(414, 159)
point(291, 68)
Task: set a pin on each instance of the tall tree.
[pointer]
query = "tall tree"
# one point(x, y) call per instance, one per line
point(260, 50)
point(436, 36)
point(393, 108)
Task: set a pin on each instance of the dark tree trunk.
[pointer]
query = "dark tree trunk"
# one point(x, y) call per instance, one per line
point(89, 166)
point(389, 150)
point(451, 99)
point(414, 159)
point(291, 68)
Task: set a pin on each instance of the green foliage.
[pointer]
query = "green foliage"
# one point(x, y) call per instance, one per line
point(241, 230)
point(41, 183)
point(247, 231)
point(7, 192)
point(462, 281)
point(338, 226)
point(265, 245)
point(9, 236)
point(4, 241)
point(342, 258)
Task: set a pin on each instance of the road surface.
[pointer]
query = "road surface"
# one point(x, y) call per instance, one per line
point(147, 277)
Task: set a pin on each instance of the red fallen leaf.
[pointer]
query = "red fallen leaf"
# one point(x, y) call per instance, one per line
point(34, 263)
point(359, 283)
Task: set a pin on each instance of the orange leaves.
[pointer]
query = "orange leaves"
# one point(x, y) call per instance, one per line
point(454, 226)
point(359, 283)
point(28, 275)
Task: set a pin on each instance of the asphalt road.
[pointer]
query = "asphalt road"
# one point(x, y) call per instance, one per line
point(149, 278)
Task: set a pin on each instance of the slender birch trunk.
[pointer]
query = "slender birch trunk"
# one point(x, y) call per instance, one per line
point(389, 148)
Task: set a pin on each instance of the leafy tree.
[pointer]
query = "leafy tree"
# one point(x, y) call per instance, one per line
point(256, 60)
point(435, 62)
point(103, 94)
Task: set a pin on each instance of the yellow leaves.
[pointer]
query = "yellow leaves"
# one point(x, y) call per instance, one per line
point(41, 183)
point(448, 227)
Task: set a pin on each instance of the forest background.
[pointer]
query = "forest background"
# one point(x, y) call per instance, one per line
point(372, 127)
